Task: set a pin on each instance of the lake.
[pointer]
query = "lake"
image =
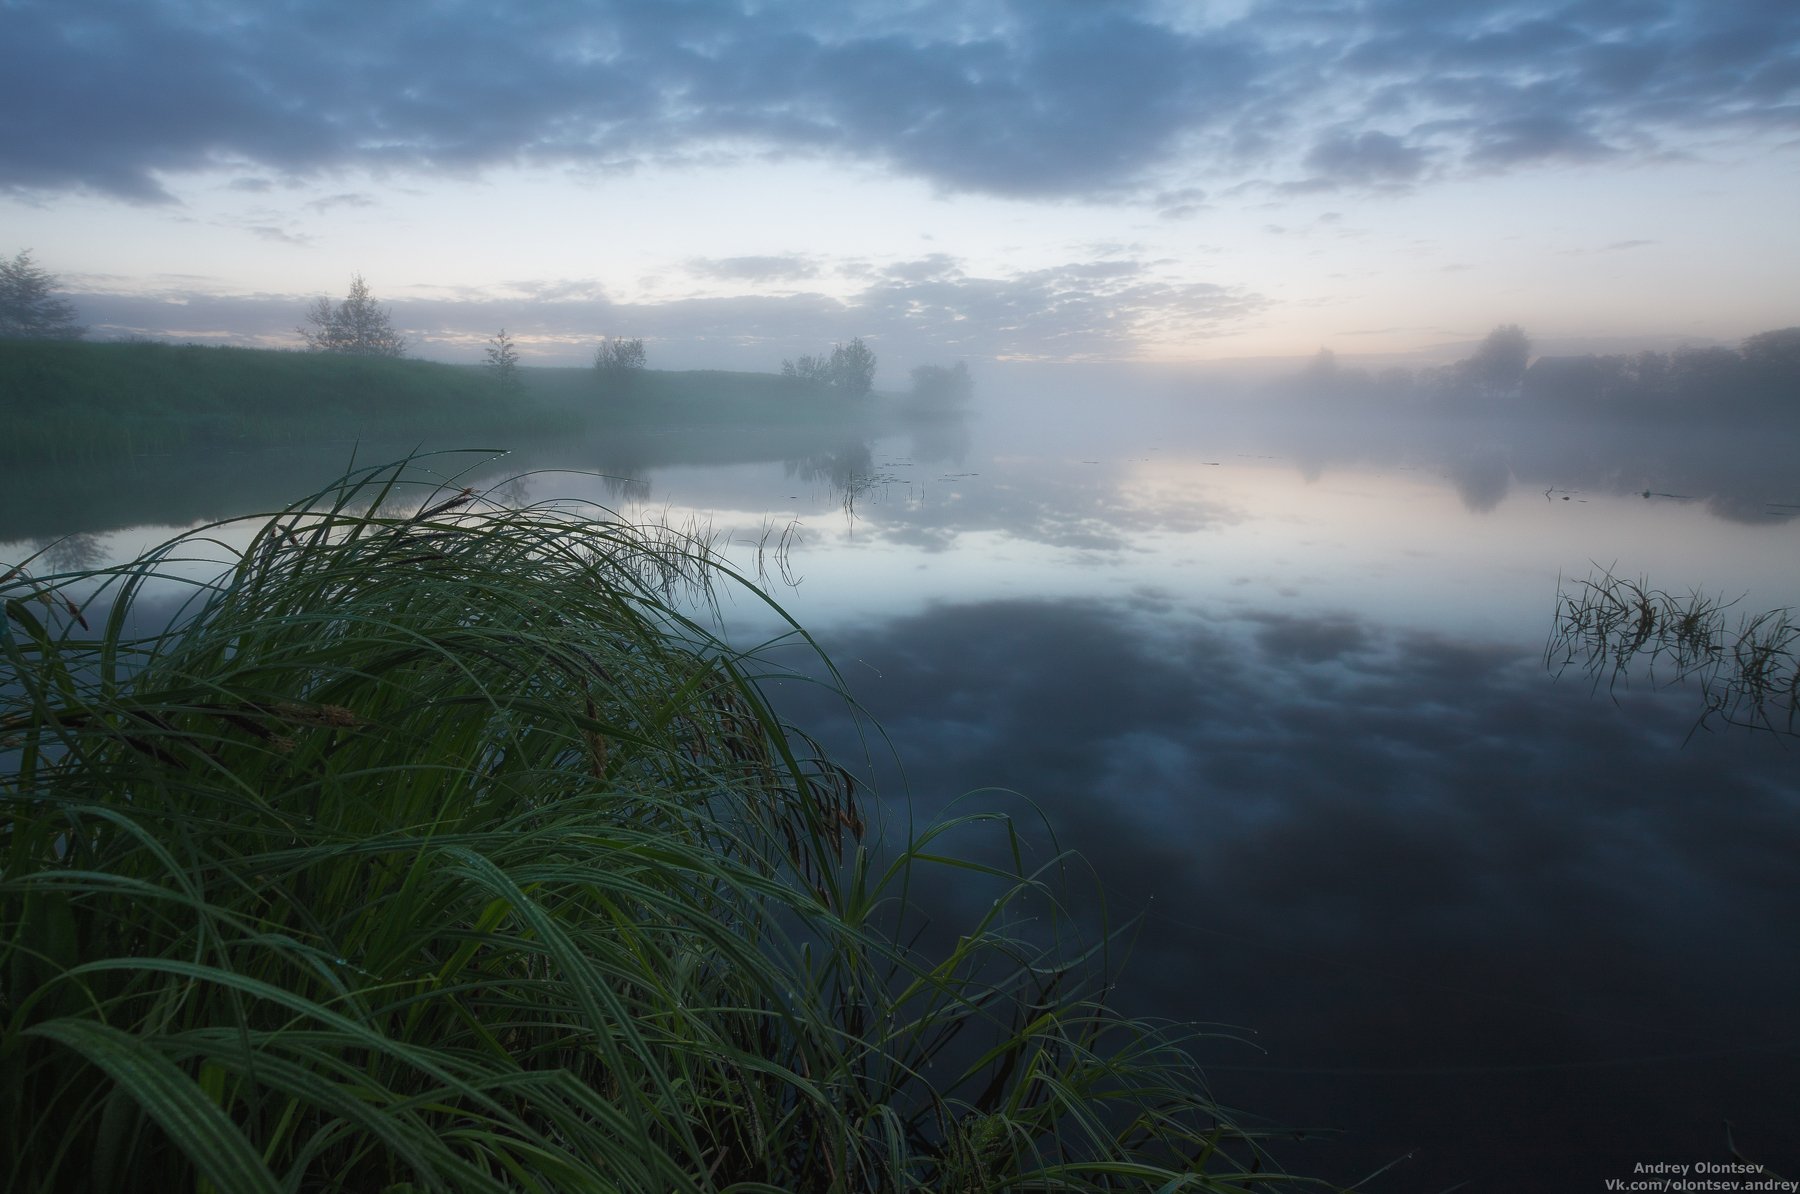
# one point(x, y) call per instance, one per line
point(1286, 693)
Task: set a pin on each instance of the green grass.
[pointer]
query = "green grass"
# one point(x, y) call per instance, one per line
point(79, 402)
point(75, 402)
point(1748, 671)
point(433, 846)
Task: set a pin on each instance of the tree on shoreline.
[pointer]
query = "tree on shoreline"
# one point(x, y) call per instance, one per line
point(619, 360)
point(619, 355)
point(358, 326)
point(503, 362)
point(937, 386)
point(1761, 375)
point(850, 369)
point(808, 372)
point(28, 311)
point(1498, 367)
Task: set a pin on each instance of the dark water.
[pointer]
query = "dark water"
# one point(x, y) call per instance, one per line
point(1286, 694)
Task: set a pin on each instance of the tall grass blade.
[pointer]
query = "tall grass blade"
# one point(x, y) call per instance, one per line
point(193, 1122)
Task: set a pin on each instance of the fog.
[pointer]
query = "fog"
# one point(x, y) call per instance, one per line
point(1256, 394)
point(1272, 658)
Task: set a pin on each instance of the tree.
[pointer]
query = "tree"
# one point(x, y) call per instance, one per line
point(1571, 382)
point(934, 385)
point(809, 372)
point(503, 362)
point(1778, 350)
point(1772, 364)
point(1323, 377)
point(358, 326)
point(1705, 376)
point(1498, 366)
point(28, 311)
point(619, 360)
point(852, 368)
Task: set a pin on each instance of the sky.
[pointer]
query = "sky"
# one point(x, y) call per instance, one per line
point(736, 181)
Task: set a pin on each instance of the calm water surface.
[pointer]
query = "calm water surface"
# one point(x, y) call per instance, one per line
point(1449, 911)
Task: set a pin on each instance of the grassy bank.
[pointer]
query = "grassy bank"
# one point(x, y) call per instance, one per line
point(74, 402)
point(432, 846)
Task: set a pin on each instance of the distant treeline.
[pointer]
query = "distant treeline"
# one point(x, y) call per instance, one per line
point(1759, 377)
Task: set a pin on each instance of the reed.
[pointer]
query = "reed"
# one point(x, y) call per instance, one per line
point(1746, 670)
point(435, 845)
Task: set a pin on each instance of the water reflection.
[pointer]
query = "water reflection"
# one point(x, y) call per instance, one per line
point(1737, 478)
point(1428, 881)
point(71, 553)
point(1748, 673)
point(1286, 689)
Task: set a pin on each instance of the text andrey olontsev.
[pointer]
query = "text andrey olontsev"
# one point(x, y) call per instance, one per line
point(1742, 1179)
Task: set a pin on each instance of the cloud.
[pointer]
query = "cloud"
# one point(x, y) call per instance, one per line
point(1179, 204)
point(913, 311)
point(347, 199)
point(1076, 311)
point(279, 235)
point(1366, 158)
point(1388, 854)
point(1026, 100)
point(934, 267)
point(1534, 138)
point(755, 269)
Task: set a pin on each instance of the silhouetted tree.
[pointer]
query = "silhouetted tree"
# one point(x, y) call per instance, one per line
point(1778, 349)
point(1322, 370)
point(849, 370)
point(808, 372)
point(1705, 376)
point(1772, 363)
point(1325, 378)
point(1648, 376)
point(852, 368)
point(934, 385)
point(503, 362)
point(1498, 366)
point(28, 311)
point(1579, 381)
point(618, 360)
point(358, 326)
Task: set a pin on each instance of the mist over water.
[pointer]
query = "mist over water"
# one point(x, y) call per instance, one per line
point(1282, 685)
point(1482, 887)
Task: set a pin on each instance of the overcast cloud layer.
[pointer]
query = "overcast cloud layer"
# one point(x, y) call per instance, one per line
point(1067, 180)
point(1052, 100)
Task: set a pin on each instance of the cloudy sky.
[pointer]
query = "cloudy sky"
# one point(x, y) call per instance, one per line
point(738, 180)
